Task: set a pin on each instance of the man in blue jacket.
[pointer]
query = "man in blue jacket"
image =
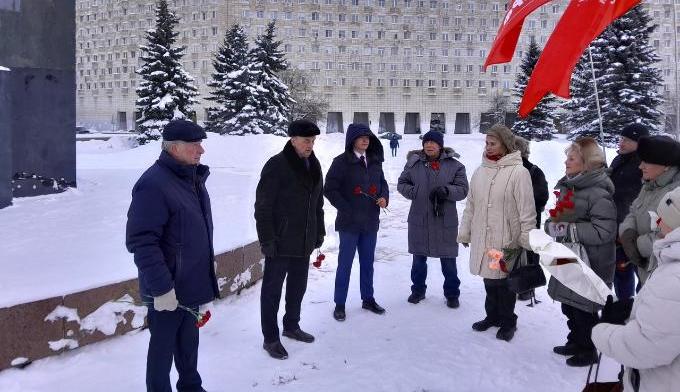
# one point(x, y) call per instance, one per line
point(356, 186)
point(169, 230)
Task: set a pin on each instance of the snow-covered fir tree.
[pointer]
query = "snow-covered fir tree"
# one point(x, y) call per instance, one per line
point(166, 92)
point(539, 124)
point(231, 82)
point(274, 102)
point(628, 82)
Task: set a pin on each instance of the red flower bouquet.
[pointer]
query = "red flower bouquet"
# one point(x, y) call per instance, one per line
point(563, 205)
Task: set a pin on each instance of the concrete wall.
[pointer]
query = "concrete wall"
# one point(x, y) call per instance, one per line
point(41, 89)
point(55, 325)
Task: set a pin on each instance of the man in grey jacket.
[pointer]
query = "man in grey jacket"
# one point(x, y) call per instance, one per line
point(434, 180)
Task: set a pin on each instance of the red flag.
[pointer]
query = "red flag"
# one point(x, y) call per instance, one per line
point(581, 23)
point(506, 41)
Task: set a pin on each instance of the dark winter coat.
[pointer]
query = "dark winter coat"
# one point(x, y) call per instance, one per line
point(394, 143)
point(540, 186)
point(430, 235)
point(170, 229)
point(627, 178)
point(594, 216)
point(357, 213)
point(289, 205)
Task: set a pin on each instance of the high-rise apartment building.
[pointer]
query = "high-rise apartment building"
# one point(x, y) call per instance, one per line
point(396, 64)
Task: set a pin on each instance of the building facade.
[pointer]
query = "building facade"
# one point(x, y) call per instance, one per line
point(401, 65)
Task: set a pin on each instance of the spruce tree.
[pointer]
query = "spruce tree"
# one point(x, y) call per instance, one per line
point(539, 124)
point(166, 91)
point(274, 102)
point(230, 81)
point(628, 81)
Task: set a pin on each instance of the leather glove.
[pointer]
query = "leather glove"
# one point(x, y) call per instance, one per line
point(616, 312)
point(319, 242)
point(629, 244)
point(268, 248)
point(441, 193)
point(558, 229)
point(167, 301)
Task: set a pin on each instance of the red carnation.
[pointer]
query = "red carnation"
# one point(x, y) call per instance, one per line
point(568, 204)
point(373, 190)
point(357, 190)
point(552, 212)
point(557, 193)
point(317, 263)
point(203, 319)
point(434, 165)
point(504, 266)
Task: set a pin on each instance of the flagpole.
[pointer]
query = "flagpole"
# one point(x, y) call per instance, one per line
point(597, 102)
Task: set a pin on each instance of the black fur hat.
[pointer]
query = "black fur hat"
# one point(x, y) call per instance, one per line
point(659, 150)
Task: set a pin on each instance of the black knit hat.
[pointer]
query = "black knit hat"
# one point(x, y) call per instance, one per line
point(303, 128)
point(659, 150)
point(434, 136)
point(183, 130)
point(635, 131)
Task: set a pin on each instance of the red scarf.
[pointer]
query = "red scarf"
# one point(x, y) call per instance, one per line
point(494, 158)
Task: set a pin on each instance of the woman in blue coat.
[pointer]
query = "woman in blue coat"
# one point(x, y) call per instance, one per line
point(356, 187)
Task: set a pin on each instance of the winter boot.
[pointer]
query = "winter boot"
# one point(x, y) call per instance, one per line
point(483, 325)
point(275, 350)
point(583, 359)
point(506, 333)
point(339, 312)
point(452, 303)
point(414, 298)
point(568, 349)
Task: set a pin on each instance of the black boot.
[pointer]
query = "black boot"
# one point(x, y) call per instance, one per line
point(568, 349)
point(275, 350)
point(483, 325)
point(373, 307)
point(506, 333)
point(339, 312)
point(583, 359)
point(452, 303)
point(414, 298)
point(299, 335)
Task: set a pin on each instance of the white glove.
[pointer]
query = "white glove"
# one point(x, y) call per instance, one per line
point(558, 229)
point(167, 301)
point(654, 217)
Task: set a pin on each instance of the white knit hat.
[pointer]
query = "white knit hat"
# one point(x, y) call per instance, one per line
point(669, 208)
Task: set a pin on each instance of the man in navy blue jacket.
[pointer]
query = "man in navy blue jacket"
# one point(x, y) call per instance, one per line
point(169, 230)
point(356, 186)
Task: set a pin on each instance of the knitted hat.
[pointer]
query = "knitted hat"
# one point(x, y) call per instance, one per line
point(669, 208)
point(434, 136)
point(303, 128)
point(635, 131)
point(659, 150)
point(183, 130)
point(504, 134)
point(522, 145)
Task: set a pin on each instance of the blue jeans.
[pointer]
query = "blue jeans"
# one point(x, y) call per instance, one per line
point(350, 243)
point(419, 274)
point(174, 335)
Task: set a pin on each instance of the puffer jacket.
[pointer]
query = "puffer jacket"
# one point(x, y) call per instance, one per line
point(638, 218)
point(428, 234)
point(499, 213)
point(594, 217)
point(650, 340)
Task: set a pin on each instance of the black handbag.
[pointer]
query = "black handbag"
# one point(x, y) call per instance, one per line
point(524, 277)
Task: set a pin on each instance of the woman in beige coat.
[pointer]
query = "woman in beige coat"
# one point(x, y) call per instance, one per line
point(499, 214)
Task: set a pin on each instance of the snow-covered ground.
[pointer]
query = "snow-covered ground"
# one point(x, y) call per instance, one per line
point(75, 240)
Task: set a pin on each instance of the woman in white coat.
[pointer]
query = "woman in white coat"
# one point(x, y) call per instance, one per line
point(648, 345)
point(499, 214)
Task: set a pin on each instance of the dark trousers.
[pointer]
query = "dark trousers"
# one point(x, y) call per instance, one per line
point(419, 274)
point(624, 279)
point(394, 151)
point(500, 303)
point(173, 335)
point(580, 325)
point(350, 243)
point(275, 271)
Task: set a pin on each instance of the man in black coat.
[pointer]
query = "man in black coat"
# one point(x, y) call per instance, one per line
point(627, 178)
point(541, 196)
point(290, 225)
point(356, 186)
point(169, 230)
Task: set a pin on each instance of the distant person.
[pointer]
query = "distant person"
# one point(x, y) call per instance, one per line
point(394, 145)
point(170, 232)
point(356, 187)
point(290, 225)
point(434, 180)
